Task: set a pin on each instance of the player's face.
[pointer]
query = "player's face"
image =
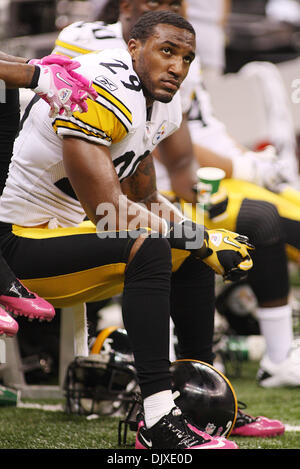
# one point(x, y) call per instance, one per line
point(163, 61)
point(142, 6)
point(132, 10)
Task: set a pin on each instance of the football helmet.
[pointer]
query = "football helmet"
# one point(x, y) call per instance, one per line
point(103, 383)
point(205, 396)
point(237, 303)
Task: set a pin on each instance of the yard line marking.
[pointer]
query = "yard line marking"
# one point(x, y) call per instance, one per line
point(48, 407)
point(292, 428)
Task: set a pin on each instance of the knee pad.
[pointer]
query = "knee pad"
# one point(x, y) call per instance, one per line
point(260, 221)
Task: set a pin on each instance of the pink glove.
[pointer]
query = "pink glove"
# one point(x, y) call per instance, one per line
point(63, 89)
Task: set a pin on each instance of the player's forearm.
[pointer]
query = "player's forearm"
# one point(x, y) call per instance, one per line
point(176, 153)
point(182, 183)
point(156, 203)
point(227, 7)
point(94, 179)
point(11, 58)
point(152, 212)
point(17, 75)
point(132, 216)
point(206, 157)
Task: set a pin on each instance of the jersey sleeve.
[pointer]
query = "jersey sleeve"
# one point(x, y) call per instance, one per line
point(73, 40)
point(82, 38)
point(108, 119)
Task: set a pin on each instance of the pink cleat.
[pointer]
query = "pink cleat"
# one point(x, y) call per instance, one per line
point(8, 325)
point(227, 444)
point(246, 425)
point(174, 432)
point(19, 301)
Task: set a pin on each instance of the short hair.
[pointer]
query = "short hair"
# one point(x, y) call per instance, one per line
point(144, 27)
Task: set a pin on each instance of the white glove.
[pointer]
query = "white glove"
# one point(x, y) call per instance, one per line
point(262, 168)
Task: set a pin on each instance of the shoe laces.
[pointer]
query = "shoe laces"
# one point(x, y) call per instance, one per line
point(176, 423)
point(242, 418)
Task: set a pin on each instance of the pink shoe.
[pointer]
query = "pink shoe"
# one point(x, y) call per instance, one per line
point(246, 425)
point(227, 444)
point(8, 325)
point(172, 431)
point(19, 301)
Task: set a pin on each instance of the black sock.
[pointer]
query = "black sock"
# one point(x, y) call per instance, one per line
point(7, 277)
point(146, 314)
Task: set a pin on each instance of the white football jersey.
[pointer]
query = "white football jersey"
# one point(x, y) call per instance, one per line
point(37, 188)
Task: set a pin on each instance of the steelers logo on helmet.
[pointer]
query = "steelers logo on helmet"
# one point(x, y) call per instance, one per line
point(205, 396)
point(104, 382)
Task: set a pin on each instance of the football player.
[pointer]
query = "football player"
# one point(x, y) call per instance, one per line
point(16, 72)
point(53, 79)
point(177, 156)
point(99, 164)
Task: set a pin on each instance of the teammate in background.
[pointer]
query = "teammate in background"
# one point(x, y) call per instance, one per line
point(54, 79)
point(106, 156)
point(177, 155)
point(277, 169)
point(209, 18)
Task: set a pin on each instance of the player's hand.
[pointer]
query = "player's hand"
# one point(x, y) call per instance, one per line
point(227, 253)
point(65, 90)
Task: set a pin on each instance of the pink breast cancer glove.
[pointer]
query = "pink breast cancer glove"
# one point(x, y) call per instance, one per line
point(63, 89)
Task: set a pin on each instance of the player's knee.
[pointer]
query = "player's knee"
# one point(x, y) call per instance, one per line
point(150, 256)
point(260, 221)
point(135, 247)
point(154, 247)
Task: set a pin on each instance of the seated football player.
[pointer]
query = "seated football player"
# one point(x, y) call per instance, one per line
point(99, 165)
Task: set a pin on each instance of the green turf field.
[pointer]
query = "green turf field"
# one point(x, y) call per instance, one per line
point(27, 428)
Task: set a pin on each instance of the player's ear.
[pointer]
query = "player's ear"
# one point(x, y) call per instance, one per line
point(133, 47)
